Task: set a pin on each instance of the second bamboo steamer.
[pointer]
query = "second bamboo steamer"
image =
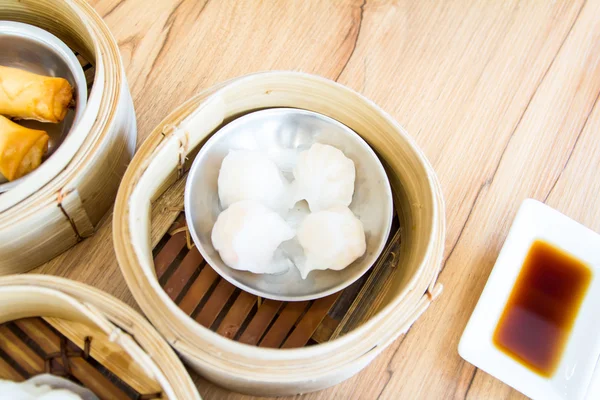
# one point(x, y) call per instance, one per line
point(61, 327)
point(66, 201)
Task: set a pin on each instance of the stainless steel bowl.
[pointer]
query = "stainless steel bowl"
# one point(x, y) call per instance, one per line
point(36, 50)
point(282, 133)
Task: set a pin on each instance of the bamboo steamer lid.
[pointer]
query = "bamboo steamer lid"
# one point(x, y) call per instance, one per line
point(65, 199)
point(163, 159)
point(27, 296)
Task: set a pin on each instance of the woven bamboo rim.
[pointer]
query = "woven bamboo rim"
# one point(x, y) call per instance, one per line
point(161, 160)
point(65, 199)
point(39, 295)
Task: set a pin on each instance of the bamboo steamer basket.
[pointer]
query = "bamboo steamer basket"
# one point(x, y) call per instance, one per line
point(124, 339)
point(163, 159)
point(65, 199)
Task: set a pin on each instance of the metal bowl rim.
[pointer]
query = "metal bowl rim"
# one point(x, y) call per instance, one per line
point(19, 29)
point(209, 260)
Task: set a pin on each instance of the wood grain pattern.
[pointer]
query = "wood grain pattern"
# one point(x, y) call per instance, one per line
point(168, 253)
point(308, 324)
point(264, 315)
point(218, 305)
point(9, 373)
point(11, 345)
point(290, 314)
point(236, 315)
point(15, 347)
point(196, 292)
point(107, 353)
point(500, 95)
point(367, 300)
point(215, 303)
point(184, 273)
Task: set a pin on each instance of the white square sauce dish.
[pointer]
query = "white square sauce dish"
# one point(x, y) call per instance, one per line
point(536, 326)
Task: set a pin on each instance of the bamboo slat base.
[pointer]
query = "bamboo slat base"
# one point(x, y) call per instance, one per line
point(218, 305)
point(33, 346)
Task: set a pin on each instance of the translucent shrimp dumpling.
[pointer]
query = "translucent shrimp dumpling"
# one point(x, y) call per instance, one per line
point(250, 175)
point(324, 177)
point(30, 391)
point(332, 239)
point(247, 234)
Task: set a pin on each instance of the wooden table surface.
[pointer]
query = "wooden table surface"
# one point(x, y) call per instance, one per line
point(502, 96)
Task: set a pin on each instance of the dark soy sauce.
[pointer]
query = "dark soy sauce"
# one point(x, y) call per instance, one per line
point(542, 307)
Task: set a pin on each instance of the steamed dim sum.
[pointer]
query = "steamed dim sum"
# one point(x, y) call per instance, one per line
point(30, 391)
point(331, 239)
point(324, 178)
point(21, 149)
point(247, 234)
point(250, 175)
point(24, 95)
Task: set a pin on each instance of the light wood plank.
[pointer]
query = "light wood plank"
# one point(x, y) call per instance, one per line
point(307, 325)
point(7, 372)
point(237, 314)
point(540, 146)
point(573, 194)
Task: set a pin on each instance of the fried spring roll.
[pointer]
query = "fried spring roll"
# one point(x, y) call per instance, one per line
point(21, 149)
point(24, 95)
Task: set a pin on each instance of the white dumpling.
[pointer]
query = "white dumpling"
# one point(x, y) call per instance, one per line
point(247, 234)
point(29, 391)
point(324, 177)
point(250, 175)
point(59, 394)
point(332, 239)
